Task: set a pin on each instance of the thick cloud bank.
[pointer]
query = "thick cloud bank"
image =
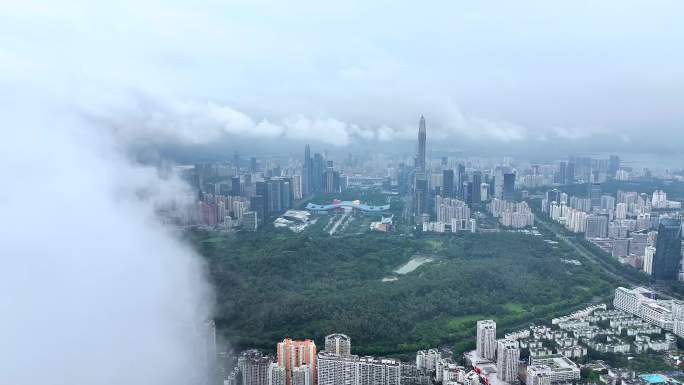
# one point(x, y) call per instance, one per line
point(93, 290)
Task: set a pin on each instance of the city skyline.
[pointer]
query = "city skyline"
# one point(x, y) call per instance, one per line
point(211, 192)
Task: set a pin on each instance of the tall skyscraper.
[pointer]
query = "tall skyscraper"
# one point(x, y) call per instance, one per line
point(339, 344)
point(293, 354)
point(317, 170)
point(461, 180)
point(253, 165)
point(448, 183)
point(297, 187)
point(509, 186)
point(668, 253)
point(594, 193)
point(570, 174)
point(420, 194)
point(306, 172)
point(236, 162)
point(422, 136)
point(235, 186)
point(476, 197)
point(498, 183)
point(507, 357)
point(562, 172)
point(613, 165)
point(486, 339)
point(207, 354)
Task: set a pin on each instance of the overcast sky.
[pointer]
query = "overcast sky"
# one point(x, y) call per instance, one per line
point(508, 74)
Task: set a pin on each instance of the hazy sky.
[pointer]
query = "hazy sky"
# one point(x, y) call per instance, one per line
point(521, 73)
point(94, 291)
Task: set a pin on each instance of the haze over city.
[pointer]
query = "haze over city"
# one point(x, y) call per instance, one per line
point(262, 192)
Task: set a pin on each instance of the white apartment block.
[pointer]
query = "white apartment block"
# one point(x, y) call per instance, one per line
point(538, 375)
point(507, 358)
point(426, 360)
point(339, 344)
point(639, 302)
point(334, 369)
point(486, 339)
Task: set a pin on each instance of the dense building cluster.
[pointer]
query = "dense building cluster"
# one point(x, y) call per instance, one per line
point(626, 226)
point(517, 215)
point(639, 322)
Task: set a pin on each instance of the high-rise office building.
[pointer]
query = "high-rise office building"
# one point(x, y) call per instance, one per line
point(594, 194)
point(461, 173)
point(420, 194)
point(235, 186)
point(249, 221)
point(498, 183)
point(448, 183)
point(613, 165)
point(253, 165)
point(484, 192)
point(468, 193)
point(331, 179)
point(307, 172)
point(475, 197)
point(507, 358)
point(273, 196)
point(486, 339)
point(318, 168)
point(562, 172)
point(256, 204)
point(297, 187)
point(236, 162)
point(339, 344)
point(422, 137)
point(293, 354)
point(207, 352)
point(509, 186)
point(668, 254)
point(286, 193)
point(570, 173)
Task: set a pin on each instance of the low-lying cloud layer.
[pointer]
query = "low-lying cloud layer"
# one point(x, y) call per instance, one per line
point(93, 290)
point(358, 72)
point(192, 122)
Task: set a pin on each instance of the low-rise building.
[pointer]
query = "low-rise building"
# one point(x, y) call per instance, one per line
point(561, 367)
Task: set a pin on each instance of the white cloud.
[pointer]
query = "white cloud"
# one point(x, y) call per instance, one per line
point(95, 289)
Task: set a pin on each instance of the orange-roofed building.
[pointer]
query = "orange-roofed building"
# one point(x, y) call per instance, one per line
point(294, 354)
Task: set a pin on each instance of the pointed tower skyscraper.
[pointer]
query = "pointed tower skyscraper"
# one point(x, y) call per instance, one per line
point(420, 164)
